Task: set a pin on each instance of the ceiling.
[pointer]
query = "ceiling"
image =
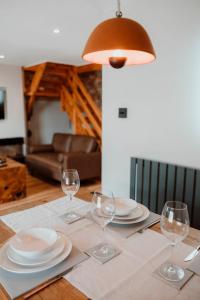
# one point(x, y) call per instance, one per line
point(26, 28)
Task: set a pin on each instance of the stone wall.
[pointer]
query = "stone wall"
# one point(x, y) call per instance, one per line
point(93, 82)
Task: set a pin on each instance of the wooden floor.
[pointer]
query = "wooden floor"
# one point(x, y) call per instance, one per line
point(35, 185)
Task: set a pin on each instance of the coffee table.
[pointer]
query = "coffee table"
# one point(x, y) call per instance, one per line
point(12, 181)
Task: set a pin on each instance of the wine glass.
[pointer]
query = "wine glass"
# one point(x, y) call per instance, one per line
point(174, 225)
point(103, 211)
point(70, 182)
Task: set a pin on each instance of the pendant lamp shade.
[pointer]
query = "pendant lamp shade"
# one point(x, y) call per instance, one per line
point(119, 41)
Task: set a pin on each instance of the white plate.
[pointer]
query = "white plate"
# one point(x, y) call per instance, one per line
point(39, 261)
point(33, 242)
point(124, 206)
point(135, 214)
point(145, 215)
point(8, 265)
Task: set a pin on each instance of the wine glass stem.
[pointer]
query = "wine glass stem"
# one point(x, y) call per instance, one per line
point(104, 232)
point(171, 253)
point(70, 197)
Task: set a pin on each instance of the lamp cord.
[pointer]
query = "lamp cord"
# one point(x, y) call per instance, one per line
point(118, 12)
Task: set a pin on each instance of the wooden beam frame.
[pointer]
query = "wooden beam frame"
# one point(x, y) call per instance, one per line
point(52, 80)
point(87, 96)
point(76, 109)
point(34, 86)
point(86, 109)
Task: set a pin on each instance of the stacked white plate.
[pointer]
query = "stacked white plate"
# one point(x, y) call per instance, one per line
point(34, 250)
point(128, 211)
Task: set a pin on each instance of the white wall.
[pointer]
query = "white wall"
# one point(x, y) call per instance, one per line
point(163, 98)
point(14, 123)
point(48, 118)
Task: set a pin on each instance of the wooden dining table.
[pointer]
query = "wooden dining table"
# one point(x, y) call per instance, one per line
point(61, 289)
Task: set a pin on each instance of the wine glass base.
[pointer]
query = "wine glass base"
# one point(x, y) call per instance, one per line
point(171, 272)
point(71, 217)
point(105, 251)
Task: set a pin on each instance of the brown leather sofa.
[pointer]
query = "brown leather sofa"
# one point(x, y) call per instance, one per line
point(66, 151)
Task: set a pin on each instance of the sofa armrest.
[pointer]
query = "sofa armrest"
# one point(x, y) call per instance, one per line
point(41, 148)
point(87, 164)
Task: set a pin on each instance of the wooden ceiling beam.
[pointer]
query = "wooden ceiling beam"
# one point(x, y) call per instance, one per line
point(88, 68)
point(59, 66)
point(56, 67)
point(47, 82)
point(51, 81)
point(49, 86)
point(45, 93)
point(50, 65)
point(48, 94)
point(32, 68)
point(57, 72)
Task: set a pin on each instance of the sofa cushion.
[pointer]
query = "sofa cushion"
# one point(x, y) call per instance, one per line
point(49, 160)
point(61, 156)
point(61, 142)
point(83, 143)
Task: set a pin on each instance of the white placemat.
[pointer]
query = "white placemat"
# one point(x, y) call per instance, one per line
point(131, 273)
point(194, 265)
point(128, 275)
point(48, 215)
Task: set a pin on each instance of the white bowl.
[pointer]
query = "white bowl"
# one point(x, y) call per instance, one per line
point(45, 258)
point(32, 243)
point(124, 206)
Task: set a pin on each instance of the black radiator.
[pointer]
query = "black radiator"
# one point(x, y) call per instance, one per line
point(153, 183)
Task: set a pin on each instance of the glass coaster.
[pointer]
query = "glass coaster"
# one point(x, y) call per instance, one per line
point(71, 217)
point(103, 252)
point(175, 284)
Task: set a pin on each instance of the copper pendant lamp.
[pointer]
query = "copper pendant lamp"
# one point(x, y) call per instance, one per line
point(118, 42)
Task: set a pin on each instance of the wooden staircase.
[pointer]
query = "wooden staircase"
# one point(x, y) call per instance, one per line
point(62, 82)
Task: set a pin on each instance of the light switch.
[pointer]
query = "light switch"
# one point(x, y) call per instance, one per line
point(122, 112)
